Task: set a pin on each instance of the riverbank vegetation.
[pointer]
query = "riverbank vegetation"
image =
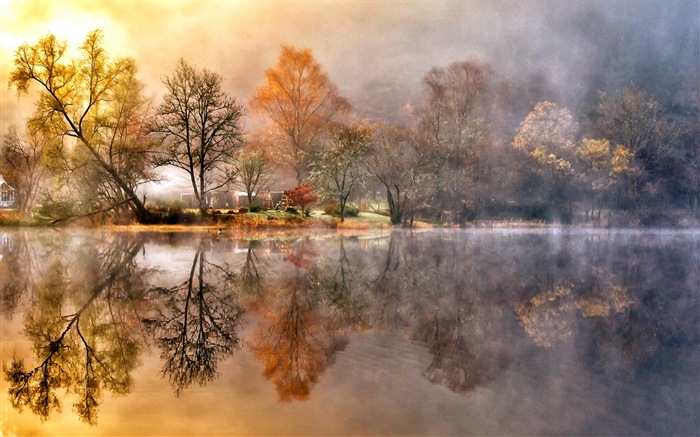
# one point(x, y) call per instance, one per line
point(480, 147)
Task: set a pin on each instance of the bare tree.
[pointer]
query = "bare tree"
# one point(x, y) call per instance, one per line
point(201, 128)
point(455, 125)
point(196, 325)
point(254, 172)
point(401, 167)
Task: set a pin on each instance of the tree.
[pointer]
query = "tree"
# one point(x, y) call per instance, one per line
point(639, 123)
point(294, 341)
point(546, 137)
point(80, 184)
point(253, 172)
point(604, 168)
point(339, 171)
point(301, 195)
point(201, 128)
point(401, 167)
point(22, 161)
point(77, 99)
point(301, 102)
point(455, 125)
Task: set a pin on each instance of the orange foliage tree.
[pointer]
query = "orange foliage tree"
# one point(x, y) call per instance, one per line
point(301, 102)
point(301, 195)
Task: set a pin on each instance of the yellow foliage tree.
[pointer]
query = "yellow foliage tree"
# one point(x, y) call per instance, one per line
point(547, 135)
point(84, 99)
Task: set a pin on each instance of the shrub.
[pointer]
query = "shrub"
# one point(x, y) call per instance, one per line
point(291, 210)
point(242, 210)
point(255, 208)
point(178, 217)
point(178, 204)
point(333, 208)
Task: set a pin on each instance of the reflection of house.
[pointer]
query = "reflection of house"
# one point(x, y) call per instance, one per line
point(7, 194)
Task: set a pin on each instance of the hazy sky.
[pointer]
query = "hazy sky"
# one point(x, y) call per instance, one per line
point(376, 52)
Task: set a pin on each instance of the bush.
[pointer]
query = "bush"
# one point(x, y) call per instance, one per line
point(351, 209)
point(255, 208)
point(291, 210)
point(176, 217)
point(242, 210)
point(223, 218)
point(467, 213)
point(178, 204)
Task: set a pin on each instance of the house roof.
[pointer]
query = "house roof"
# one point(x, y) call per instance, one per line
point(4, 185)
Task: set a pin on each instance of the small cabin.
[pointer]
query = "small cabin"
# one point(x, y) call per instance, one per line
point(7, 194)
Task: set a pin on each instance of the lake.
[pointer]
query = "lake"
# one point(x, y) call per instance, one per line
point(552, 331)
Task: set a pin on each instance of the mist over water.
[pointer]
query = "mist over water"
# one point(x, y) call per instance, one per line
point(476, 332)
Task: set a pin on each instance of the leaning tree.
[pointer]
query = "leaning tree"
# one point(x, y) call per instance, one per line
point(82, 98)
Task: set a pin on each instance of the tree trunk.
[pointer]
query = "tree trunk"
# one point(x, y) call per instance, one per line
point(143, 215)
point(341, 206)
point(394, 208)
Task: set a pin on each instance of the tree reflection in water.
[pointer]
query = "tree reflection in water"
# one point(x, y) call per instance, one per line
point(195, 324)
point(478, 303)
point(249, 279)
point(81, 323)
point(300, 332)
point(16, 265)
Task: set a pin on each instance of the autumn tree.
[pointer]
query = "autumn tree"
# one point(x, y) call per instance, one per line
point(253, 169)
point(22, 161)
point(301, 195)
point(80, 183)
point(547, 139)
point(294, 343)
point(200, 126)
point(604, 170)
point(80, 99)
point(300, 102)
point(340, 170)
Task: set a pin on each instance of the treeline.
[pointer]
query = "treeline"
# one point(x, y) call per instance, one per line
point(479, 147)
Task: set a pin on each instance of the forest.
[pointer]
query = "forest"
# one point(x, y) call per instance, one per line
point(481, 145)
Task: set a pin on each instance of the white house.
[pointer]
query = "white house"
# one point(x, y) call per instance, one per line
point(7, 194)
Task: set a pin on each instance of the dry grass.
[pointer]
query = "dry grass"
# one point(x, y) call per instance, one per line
point(229, 222)
point(14, 217)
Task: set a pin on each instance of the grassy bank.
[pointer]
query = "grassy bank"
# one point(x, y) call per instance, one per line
point(16, 218)
point(191, 220)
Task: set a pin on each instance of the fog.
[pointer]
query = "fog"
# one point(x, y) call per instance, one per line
point(375, 52)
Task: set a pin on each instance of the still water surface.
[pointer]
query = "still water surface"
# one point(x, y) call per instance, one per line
point(470, 332)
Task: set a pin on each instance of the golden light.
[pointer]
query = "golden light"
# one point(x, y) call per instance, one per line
point(27, 21)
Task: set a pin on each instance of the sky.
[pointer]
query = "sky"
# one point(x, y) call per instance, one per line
point(376, 52)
